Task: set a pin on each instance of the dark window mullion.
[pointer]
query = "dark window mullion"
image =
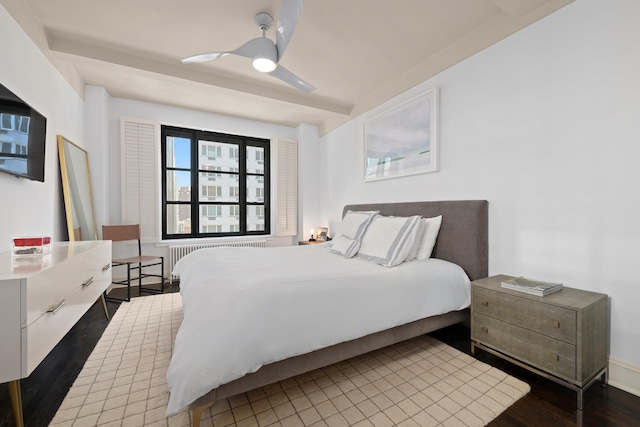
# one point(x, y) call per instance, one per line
point(242, 184)
point(195, 187)
point(163, 180)
point(266, 170)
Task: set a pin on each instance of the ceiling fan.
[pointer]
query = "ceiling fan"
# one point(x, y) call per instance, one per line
point(263, 51)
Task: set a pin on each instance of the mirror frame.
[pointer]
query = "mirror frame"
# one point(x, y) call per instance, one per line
point(65, 145)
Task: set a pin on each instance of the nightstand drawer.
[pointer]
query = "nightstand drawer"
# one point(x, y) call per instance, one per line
point(536, 316)
point(538, 350)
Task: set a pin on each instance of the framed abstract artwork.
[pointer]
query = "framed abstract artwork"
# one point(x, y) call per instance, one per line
point(403, 140)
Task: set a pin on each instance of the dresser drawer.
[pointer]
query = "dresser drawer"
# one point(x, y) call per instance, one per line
point(538, 350)
point(44, 333)
point(44, 290)
point(536, 316)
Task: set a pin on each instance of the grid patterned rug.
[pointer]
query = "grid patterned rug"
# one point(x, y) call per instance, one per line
point(418, 383)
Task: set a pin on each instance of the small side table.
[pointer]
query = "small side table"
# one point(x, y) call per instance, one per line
point(312, 242)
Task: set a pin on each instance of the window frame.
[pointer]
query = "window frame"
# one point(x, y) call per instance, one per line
point(195, 203)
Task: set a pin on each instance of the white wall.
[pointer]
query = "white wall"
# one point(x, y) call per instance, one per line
point(31, 208)
point(544, 126)
point(97, 142)
point(310, 182)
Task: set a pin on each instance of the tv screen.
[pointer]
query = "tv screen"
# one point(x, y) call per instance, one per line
point(22, 137)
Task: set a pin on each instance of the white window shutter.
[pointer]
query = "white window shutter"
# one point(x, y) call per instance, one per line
point(287, 187)
point(139, 176)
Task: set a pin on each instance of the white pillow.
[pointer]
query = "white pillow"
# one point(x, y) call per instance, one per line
point(428, 229)
point(389, 240)
point(355, 223)
point(344, 246)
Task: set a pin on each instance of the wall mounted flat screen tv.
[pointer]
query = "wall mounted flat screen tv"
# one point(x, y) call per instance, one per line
point(22, 137)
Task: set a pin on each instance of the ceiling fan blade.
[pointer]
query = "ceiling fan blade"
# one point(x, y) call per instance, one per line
point(204, 57)
point(287, 21)
point(250, 49)
point(288, 77)
point(259, 45)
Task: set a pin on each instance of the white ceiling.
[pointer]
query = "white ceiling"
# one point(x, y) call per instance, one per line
point(357, 53)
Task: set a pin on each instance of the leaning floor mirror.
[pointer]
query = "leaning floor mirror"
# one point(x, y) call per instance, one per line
point(76, 188)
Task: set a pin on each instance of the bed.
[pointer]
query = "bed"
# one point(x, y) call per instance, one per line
point(461, 244)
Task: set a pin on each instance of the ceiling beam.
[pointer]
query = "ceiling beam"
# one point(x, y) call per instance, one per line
point(518, 8)
point(69, 44)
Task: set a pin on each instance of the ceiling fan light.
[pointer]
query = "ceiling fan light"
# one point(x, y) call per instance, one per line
point(264, 65)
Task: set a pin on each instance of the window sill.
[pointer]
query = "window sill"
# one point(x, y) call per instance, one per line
point(166, 243)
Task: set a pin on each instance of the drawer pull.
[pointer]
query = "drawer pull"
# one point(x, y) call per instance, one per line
point(485, 303)
point(484, 329)
point(555, 357)
point(555, 324)
point(106, 267)
point(55, 306)
point(87, 282)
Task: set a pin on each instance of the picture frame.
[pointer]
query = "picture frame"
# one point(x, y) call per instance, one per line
point(321, 234)
point(403, 140)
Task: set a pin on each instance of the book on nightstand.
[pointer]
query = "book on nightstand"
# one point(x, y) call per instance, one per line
point(530, 286)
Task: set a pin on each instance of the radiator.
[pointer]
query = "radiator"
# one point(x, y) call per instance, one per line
point(178, 251)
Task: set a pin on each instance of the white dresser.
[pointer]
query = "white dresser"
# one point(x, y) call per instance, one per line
point(41, 298)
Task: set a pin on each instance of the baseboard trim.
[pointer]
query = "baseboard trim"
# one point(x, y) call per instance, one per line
point(624, 375)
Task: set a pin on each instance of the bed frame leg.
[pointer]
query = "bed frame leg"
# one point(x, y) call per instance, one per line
point(196, 414)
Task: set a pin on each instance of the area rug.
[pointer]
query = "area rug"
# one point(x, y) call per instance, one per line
point(421, 382)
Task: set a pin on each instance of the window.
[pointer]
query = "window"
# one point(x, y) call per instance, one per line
point(24, 124)
point(211, 151)
point(211, 192)
point(231, 175)
point(259, 156)
point(6, 121)
point(211, 176)
point(211, 212)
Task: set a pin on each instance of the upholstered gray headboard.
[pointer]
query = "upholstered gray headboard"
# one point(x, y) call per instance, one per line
point(463, 237)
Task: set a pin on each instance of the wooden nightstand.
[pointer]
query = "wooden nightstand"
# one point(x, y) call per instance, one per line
point(314, 242)
point(562, 336)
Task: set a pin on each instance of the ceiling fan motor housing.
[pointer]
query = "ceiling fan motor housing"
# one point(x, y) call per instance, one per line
point(264, 21)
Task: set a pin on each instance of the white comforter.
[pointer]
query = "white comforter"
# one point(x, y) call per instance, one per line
point(247, 307)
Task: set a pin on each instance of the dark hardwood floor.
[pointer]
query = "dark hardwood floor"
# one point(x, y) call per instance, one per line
point(548, 403)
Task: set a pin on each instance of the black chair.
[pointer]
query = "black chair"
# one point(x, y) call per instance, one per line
point(121, 233)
